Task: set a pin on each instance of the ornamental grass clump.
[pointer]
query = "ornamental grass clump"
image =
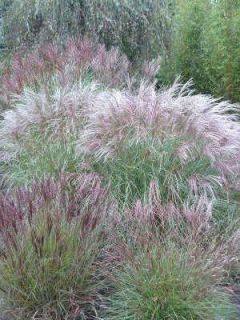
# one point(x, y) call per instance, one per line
point(166, 282)
point(168, 265)
point(37, 158)
point(187, 143)
point(52, 234)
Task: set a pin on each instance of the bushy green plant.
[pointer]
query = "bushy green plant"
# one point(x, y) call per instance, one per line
point(165, 282)
point(4, 4)
point(221, 49)
point(185, 56)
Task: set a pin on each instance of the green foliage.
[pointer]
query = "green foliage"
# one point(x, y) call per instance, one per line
point(185, 53)
point(221, 49)
point(164, 282)
point(204, 45)
point(152, 159)
point(4, 4)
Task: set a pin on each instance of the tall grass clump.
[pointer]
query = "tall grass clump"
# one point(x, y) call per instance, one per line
point(204, 45)
point(166, 267)
point(139, 28)
point(52, 235)
point(165, 284)
point(41, 157)
point(170, 136)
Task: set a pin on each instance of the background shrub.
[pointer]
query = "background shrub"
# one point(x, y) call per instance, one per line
point(185, 52)
point(139, 28)
point(221, 49)
point(204, 45)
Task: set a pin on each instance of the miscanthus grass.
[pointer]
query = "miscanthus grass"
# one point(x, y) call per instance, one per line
point(188, 143)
